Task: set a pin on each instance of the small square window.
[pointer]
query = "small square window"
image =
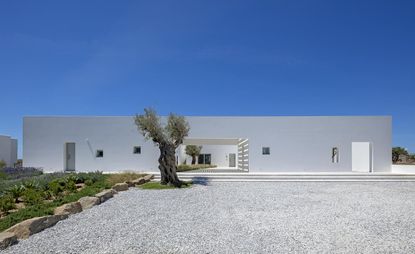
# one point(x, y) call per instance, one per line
point(266, 151)
point(137, 150)
point(100, 153)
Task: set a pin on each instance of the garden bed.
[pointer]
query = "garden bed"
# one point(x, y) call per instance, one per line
point(29, 197)
point(185, 167)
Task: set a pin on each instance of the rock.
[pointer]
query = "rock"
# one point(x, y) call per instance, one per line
point(69, 208)
point(88, 202)
point(32, 226)
point(120, 187)
point(80, 186)
point(142, 180)
point(148, 177)
point(20, 206)
point(7, 239)
point(138, 181)
point(105, 195)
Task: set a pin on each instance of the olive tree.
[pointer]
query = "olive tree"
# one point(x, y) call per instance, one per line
point(193, 151)
point(396, 151)
point(167, 137)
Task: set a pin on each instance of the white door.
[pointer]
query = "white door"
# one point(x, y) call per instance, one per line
point(361, 157)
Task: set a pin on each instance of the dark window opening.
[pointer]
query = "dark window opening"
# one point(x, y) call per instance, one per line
point(266, 151)
point(137, 150)
point(100, 153)
point(204, 159)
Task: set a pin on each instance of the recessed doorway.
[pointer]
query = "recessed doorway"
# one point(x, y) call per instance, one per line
point(70, 157)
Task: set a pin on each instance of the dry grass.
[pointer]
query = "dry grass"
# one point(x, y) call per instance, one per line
point(122, 177)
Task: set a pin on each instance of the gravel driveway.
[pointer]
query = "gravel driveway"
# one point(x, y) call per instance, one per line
point(242, 218)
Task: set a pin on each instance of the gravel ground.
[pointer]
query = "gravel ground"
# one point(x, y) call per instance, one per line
point(241, 218)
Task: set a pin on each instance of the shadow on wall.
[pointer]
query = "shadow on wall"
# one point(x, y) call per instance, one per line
point(200, 180)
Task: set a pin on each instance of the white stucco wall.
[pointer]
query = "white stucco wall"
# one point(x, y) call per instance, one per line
point(8, 150)
point(403, 169)
point(296, 143)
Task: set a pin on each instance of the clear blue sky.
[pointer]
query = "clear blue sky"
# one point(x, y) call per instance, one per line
point(208, 58)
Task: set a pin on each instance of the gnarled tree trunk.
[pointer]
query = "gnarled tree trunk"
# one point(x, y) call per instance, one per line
point(167, 165)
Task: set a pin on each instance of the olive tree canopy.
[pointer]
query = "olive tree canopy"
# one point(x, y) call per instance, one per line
point(193, 151)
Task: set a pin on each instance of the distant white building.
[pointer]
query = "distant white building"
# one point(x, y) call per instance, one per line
point(8, 150)
point(254, 144)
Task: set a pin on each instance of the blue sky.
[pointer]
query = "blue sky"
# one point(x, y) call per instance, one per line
point(208, 58)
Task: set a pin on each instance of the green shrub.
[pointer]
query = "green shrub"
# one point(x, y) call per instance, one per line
point(2, 164)
point(16, 191)
point(32, 197)
point(6, 203)
point(184, 167)
point(3, 176)
point(32, 185)
point(70, 185)
point(89, 182)
point(47, 194)
point(56, 187)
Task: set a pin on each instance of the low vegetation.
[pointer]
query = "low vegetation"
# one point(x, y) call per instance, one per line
point(25, 195)
point(2, 164)
point(184, 167)
point(123, 177)
point(20, 172)
point(159, 186)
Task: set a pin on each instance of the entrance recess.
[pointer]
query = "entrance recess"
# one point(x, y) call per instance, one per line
point(70, 156)
point(361, 157)
point(237, 161)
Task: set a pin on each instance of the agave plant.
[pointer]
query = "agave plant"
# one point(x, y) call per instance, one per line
point(16, 192)
point(6, 204)
point(31, 185)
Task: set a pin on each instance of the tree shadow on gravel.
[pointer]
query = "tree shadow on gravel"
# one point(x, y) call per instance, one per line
point(200, 180)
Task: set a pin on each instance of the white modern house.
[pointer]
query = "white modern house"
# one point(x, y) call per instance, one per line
point(254, 144)
point(8, 150)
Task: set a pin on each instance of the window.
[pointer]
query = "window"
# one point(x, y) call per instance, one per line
point(204, 159)
point(99, 154)
point(335, 155)
point(137, 150)
point(266, 151)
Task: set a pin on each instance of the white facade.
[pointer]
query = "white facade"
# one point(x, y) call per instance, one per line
point(295, 144)
point(8, 150)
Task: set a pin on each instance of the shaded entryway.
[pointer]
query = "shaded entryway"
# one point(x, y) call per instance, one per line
point(235, 159)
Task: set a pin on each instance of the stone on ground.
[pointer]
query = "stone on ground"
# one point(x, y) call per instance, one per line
point(88, 202)
point(120, 187)
point(148, 177)
point(69, 208)
point(32, 226)
point(105, 195)
point(7, 239)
